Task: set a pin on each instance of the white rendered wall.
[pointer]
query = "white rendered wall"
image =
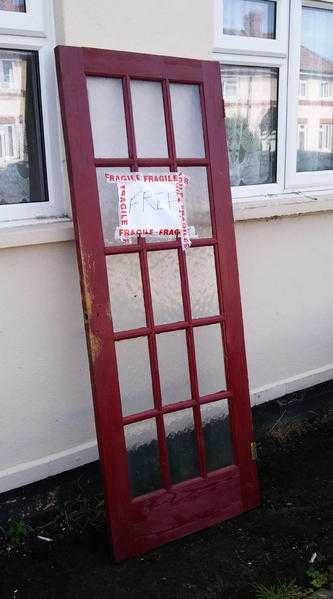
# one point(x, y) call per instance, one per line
point(45, 395)
point(286, 268)
point(174, 27)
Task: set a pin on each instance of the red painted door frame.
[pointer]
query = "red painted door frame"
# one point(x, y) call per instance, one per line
point(140, 524)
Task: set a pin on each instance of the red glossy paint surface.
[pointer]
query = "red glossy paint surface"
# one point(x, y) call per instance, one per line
point(137, 525)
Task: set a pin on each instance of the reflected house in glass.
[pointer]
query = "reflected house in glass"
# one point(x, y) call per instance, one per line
point(21, 150)
point(11, 83)
point(12, 129)
point(251, 99)
point(315, 112)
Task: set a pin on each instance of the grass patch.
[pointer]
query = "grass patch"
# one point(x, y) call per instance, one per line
point(279, 591)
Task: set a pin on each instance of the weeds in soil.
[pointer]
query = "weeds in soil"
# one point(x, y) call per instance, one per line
point(74, 516)
point(318, 579)
point(279, 591)
point(17, 532)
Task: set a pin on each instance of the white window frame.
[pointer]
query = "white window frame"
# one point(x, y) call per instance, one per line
point(44, 46)
point(296, 180)
point(244, 45)
point(30, 23)
point(247, 191)
point(285, 55)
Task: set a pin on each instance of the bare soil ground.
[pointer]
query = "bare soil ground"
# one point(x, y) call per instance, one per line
point(274, 542)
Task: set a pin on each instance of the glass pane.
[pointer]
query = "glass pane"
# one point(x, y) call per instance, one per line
point(149, 122)
point(173, 367)
point(249, 18)
point(165, 286)
point(107, 116)
point(251, 103)
point(181, 443)
point(22, 176)
point(216, 430)
point(143, 457)
point(197, 201)
point(202, 282)
point(209, 356)
point(13, 5)
point(108, 203)
point(315, 107)
point(126, 296)
point(187, 120)
point(134, 375)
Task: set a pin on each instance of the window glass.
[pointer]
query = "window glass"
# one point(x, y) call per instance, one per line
point(315, 107)
point(21, 151)
point(251, 104)
point(143, 457)
point(148, 115)
point(217, 437)
point(181, 444)
point(13, 5)
point(249, 18)
point(187, 120)
point(107, 116)
point(210, 359)
point(134, 375)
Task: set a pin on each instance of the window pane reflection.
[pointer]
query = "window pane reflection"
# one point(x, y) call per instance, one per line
point(13, 5)
point(21, 151)
point(315, 105)
point(251, 103)
point(249, 18)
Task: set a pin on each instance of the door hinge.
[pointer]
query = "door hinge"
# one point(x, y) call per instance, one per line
point(254, 453)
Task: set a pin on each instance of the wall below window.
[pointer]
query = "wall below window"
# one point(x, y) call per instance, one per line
point(46, 419)
point(46, 415)
point(287, 292)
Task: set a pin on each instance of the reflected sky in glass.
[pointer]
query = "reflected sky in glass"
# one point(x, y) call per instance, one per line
point(317, 28)
point(315, 114)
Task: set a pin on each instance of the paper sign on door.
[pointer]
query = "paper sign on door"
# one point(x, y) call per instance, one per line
point(151, 204)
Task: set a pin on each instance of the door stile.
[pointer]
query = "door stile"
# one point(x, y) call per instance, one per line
point(240, 408)
point(94, 288)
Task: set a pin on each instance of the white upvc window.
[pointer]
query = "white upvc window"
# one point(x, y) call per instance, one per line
point(277, 58)
point(245, 26)
point(31, 176)
point(24, 17)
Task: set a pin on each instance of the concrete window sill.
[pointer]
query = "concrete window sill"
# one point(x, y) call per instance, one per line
point(34, 232)
point(289, 204)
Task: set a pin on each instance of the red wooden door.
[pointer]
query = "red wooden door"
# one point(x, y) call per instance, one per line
point(164, 327)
